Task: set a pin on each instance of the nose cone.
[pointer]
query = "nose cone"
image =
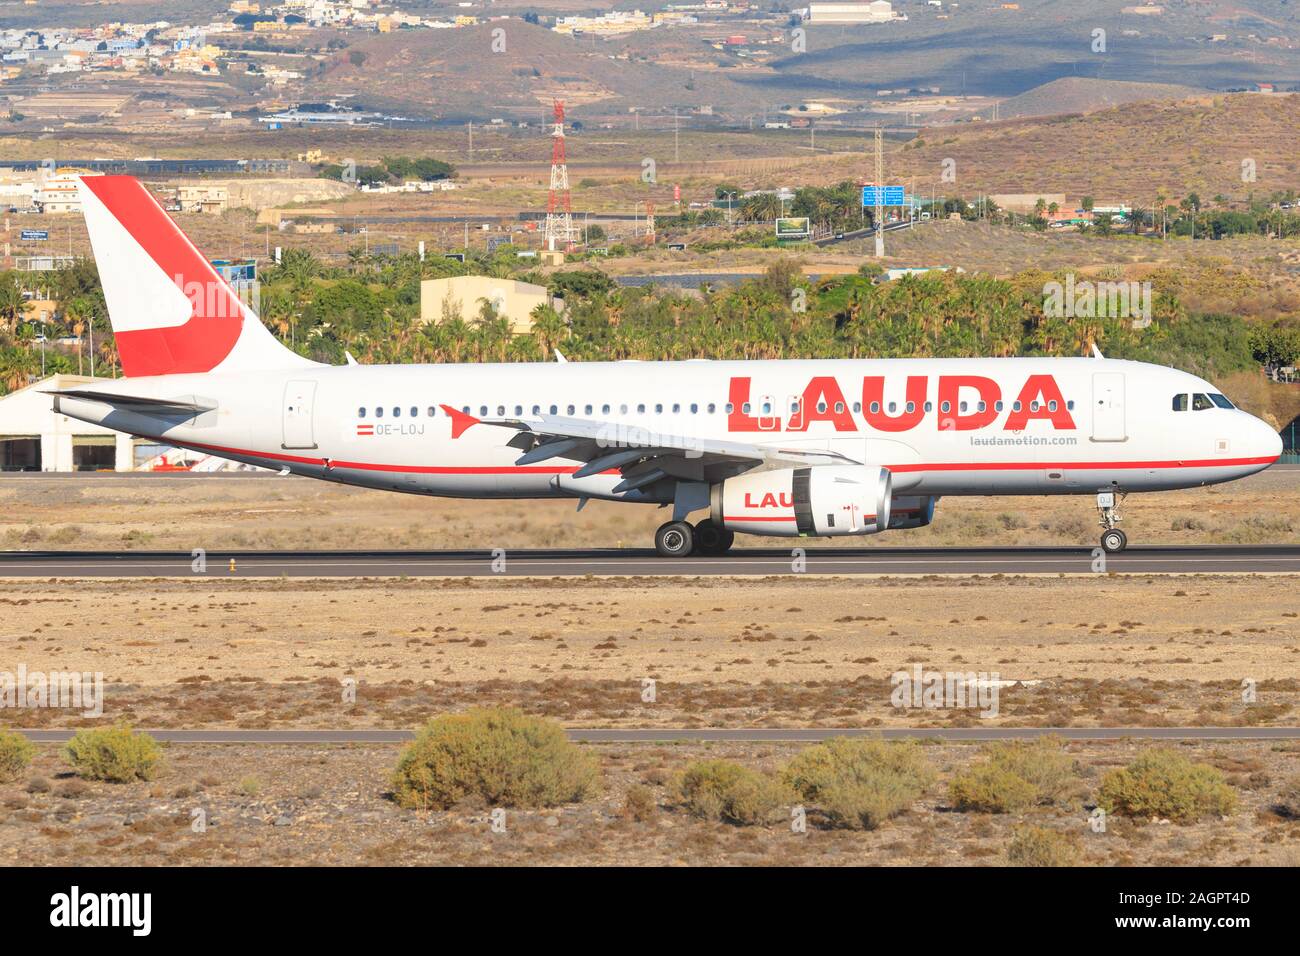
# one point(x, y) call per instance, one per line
point(1263, 441)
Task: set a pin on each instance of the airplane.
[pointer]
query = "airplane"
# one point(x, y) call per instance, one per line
point(788, 448)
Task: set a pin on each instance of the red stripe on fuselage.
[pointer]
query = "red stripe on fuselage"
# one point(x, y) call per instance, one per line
point(547, 470)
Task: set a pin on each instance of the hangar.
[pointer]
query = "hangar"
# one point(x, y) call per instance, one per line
point(34, 438)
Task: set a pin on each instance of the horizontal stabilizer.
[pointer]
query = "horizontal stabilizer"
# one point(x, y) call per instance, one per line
point(134, 403)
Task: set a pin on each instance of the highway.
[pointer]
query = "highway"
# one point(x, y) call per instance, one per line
point(797, 558)
point(769, 735)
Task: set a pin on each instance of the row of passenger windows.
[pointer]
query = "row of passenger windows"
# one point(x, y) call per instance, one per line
point(1200, 402)
point(891, 408)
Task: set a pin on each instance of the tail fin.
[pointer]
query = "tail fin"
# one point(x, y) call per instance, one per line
point(171, 311)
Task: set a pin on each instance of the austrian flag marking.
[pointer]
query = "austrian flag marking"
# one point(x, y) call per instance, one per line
point(365, 429)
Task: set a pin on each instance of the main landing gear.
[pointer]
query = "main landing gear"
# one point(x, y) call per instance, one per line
point(1112, 539)
point(678, 539)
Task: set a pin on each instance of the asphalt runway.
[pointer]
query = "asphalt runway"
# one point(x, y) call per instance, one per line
point(770, 735)
point(1271, 559)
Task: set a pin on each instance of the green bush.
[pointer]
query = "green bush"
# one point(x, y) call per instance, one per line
point(1016, 774)
point(988, 788)
point(639, 804)
point(1162, 783)
point(724, 790)
point(860, 783)
point(15, 754)
point(502, 756)
point(1288, 798)
point(115, 754)
point(1041, 846)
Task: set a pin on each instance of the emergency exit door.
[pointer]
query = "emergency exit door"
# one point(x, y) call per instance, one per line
point(1108, 407)
point(299, 400)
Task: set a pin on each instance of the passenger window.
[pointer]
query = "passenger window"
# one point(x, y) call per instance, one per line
point(767, 408)
point(1180, 403)
point(712, 408)
point(519, 410)
point(622, 409)
point(379, 412)
point(604, 409)
point(821, 407)
point(745, 408)
point(945, 407)
point(677, 408)
point(1015, 406)
point(893, 407)
point(997, 406)
point(501, 410)
point(839, 408)
point(588, 409)
point(537, 409)
point(694, 408)
point(729, 408)
point(1033, 406)
point(911, 407)
point(1069, 406)
point(571, 410)
point(433, 410)
point(640, 409)
point(1201, 402)
point(981, 406)
point(962, 406)
point(397, 412)
point(555, 409)
point(929, 406)
point(659, 408)
point(875, 408)
point(482, 411)
point(1051, 406)
point(361, 412)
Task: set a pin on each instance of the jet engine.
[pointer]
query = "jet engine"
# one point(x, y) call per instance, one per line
point(822, 500)
point(912, 512)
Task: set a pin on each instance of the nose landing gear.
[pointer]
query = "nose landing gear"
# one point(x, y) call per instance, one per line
point(1112, 539)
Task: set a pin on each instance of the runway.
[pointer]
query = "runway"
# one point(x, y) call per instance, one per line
point(1263, 559)
point(765, 735)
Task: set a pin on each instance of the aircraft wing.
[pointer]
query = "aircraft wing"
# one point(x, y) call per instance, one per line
point(644, 456)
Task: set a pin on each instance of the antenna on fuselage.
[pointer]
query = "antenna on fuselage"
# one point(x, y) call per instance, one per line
point(1096, 352)
point(559, 357)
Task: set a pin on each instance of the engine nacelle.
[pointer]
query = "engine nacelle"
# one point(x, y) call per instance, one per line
point(823, 500)
point(912, 512)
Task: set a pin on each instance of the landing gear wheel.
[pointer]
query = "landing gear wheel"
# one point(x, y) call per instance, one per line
point(710, 539)
point(676, 539)
point(1114, 541)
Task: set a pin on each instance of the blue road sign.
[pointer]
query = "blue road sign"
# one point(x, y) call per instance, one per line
point(35, 235)
point(893, 196)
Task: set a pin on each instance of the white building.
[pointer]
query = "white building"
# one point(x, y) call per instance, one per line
point(35, 438)
point(877, 11)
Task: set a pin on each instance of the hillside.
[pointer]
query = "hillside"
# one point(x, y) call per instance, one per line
point(453, 74)
point(1078, 94)
point(1129, 153)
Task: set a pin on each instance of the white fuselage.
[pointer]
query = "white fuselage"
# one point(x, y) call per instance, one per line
point(973, 426)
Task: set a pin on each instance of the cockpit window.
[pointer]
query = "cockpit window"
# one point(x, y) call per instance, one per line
point(1201, 402)
point(1180, 403)
point(1220, 400)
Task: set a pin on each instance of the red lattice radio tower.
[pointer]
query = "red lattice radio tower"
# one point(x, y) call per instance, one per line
point(559, 210)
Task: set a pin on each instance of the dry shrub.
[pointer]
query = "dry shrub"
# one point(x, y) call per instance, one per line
point(499, 755)
point(1165, 784)
point(114, 754)
point(1016, 774)
point(15, 754)
point(726, 791)
point(860, 783)
point(1042, 846)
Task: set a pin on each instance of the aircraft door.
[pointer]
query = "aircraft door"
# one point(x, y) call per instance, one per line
point(299, 405)
point(1108, 407)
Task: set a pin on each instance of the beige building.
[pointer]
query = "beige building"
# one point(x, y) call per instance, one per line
point(878, 11)
point(203, 198)
point(34, 437)
point(464, 296)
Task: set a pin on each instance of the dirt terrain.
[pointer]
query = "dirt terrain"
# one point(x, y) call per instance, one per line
point(330, 806)
point(109, 512)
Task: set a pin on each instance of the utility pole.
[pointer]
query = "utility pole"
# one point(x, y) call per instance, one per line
point(470, 126)
point(677, 153)
point(880, 194)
